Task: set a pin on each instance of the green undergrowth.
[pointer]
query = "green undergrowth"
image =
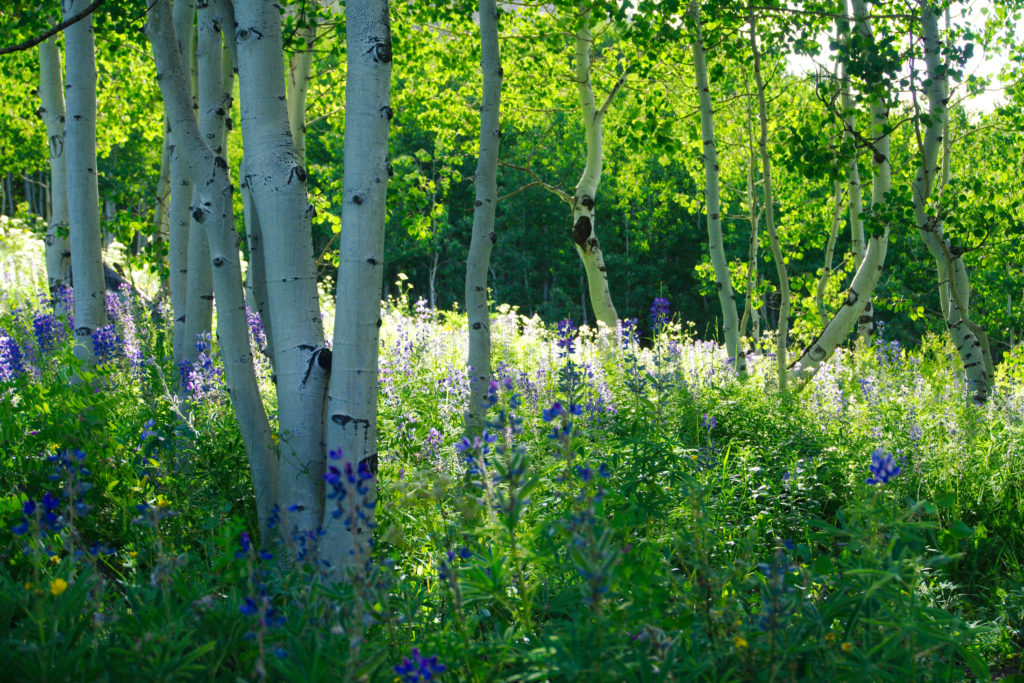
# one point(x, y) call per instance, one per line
point(665, 521)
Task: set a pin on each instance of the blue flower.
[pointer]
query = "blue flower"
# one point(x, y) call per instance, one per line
point(659, 312)
point(10, 358)
point(883, 467)
point(418, 668)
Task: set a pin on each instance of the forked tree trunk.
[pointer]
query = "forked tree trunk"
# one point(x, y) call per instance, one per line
point(860, 291)
point(277, 180)
point(213, 211)
point(773, 237)
point(486, 184)
point(968, 337)
point(351, 420)
point(299, 69)
point(83, 201)
point(58, 248)
point(716, 245)
point(583, 206)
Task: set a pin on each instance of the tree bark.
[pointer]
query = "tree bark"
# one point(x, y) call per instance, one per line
point(712, 194)
point(214, 213)
point(773, 238)
point(584, 234)
point(83, 201)
point(352, 399)
point(277, 180)
point(486, 184)
point(969, 339)
point(865, 280)
point(58, 248)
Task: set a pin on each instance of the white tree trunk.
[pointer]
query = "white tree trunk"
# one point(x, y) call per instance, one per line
point(299, 68)
point(583, 207)
point(179, 212)
point(161, 223)
point(969, 339)
point(83, 201)
point(860, 291)
point(486, 185)
point(277, 181)
point(769, 207)
point(58, 248)
point(830, 246)
point(213, 211)
point(712, 196)
point(352, 400)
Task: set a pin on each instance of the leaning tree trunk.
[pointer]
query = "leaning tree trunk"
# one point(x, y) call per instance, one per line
point(352, 398)
point(83, 202)
point(716, 245)
point(486, 182)
point(830, 247)
point(769, 207)
point(58, 248)
point(865, 280)
point(583, 205)
point(969, 339)
point(214, 212)
point(277, 181)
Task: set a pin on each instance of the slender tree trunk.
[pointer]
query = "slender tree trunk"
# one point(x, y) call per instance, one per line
point(179, 210)
point(161, 224)
point(858, 295)
point(352, 399)
point(716, 245)
point(299, 68)
point(769, 206)
point(257, 274)
point(277, 181)
point(969, 339)
point(749, 309)
point(866, 321)
point(583, 207)
point(58, 248)
point(830, 246)
point(83, 200)
point(213, 211)
point(486, 183)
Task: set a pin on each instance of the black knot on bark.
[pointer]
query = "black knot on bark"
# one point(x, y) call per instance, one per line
point(382, 52)
point(581, 231)
point(391, 171)
point(220, 162)
point(220, 111)
point(956, 251)
point(356, 199)
point(851, 298)
point(198, 214)
point(372, 261)
point(477, 326)
point(218, 262)
point(493, 237)
point(323, 359)
point(387, 111)
point(478, 203)
point(300, 173)
point(587, 201)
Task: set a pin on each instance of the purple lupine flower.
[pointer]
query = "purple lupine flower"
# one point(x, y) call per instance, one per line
point(418, 668)
point(659, 312)
point(48, 330)
point(11, 363)
point(883, 467)
point(106, 343)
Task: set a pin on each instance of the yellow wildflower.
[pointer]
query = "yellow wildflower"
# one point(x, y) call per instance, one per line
point(847, 647)
point(58, 586)
point(830, 636)
point(740, 642)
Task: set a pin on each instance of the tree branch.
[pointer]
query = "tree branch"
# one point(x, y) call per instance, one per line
point(550, 188)
point(32, 42)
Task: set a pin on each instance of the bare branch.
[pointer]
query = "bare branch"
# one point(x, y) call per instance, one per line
point(32, 42)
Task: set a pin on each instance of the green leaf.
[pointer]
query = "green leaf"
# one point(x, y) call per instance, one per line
point(961, 530)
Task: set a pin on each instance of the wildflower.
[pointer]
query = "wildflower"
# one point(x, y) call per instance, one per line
point(566, 333)
point(883, 467)
point(48, 330)
point(847, 647)
point(106, 343)
point(58, 586)
point(659, 312)
point(419, 668)
point(708, 422)
point(829, 637)
point(10, 358)
point(740, 642)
